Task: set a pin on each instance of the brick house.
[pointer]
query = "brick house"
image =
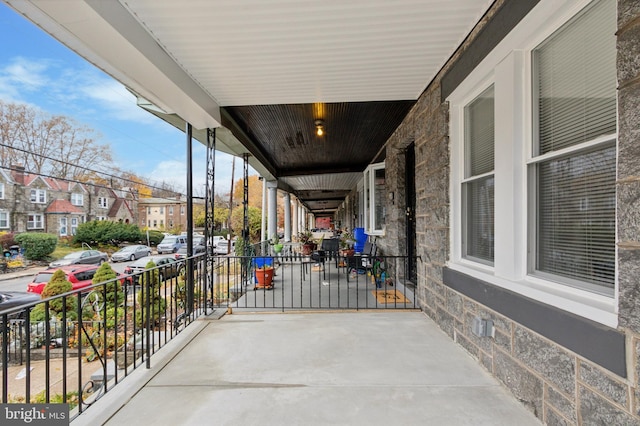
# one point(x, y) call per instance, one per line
point(162, 213)
point(33, 203)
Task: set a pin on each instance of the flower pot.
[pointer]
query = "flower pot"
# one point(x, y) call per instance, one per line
point(264, 276)
point(307, 248)
point(277, 248)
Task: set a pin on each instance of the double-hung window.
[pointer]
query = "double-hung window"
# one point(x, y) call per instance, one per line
point(38, 196)
point(103, 202)
point(35, 221)
point(63, 226)
point(573, 167)
point(533, 160)
point(4, 219)
point(77, 198)
point(375, 199)
point(1, 190)
point(478, 182)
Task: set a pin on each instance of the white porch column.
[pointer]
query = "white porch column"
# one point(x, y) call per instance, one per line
point(263, 222)
point(287, 217)
point(272, 214)
point(295, 220)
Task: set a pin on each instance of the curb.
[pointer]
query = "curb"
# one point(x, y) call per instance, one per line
point(32, 270)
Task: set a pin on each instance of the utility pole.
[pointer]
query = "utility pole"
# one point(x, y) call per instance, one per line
point(233, 171)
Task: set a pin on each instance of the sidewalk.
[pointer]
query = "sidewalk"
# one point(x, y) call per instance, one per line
point(22, 272)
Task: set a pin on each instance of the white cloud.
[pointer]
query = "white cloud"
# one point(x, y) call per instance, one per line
point(20, 76)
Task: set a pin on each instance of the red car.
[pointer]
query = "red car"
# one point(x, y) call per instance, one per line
point(79, 276)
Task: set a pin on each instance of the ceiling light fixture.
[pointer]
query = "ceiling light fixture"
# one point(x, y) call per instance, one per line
point(319, 127)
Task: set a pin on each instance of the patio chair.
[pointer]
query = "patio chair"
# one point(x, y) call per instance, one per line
point(328, 251)
point(362, 261)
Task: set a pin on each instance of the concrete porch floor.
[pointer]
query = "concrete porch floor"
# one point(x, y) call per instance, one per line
point(321, 368)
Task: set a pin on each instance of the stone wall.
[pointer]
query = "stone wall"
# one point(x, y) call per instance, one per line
point(558, 386)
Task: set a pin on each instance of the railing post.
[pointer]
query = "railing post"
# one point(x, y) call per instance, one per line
point(147, 316)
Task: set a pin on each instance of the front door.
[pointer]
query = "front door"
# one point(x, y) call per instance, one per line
point(410, 196)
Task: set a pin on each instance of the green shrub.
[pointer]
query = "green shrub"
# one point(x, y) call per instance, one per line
point(157, 303)
point(37, 246)
point(155, 237)
point(58, 284)
point(115, 294)
point(106, 232)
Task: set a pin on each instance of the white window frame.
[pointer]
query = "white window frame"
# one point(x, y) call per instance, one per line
point(170, 210)
point(371, 199)
point(103, 202)
point(74, 225)
point(1, 190)
point(509, 68)
point(38, 196)
point(77, 198)
point(63, 226)
point(5, 222)
point(36, 222)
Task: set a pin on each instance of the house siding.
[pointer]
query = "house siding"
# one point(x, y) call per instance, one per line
point(562, 383)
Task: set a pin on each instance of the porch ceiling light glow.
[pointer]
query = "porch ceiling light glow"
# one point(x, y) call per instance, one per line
point(319, 127)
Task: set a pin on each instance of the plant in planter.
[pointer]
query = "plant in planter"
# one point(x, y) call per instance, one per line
point(275, 242)
point(264, 276)
point(308, 245)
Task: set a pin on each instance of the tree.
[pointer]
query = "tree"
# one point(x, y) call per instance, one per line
point(255, 192)
point(45, 144)
point(255, 219)
point(150, 293)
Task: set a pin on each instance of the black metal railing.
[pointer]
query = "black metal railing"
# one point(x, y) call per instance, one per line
point(323, 280)
point(74, 347)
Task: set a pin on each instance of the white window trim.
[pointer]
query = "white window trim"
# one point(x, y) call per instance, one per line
point(370, 205)
point(64, 227)
point(509, 69)
point(35, 222)
point(1, 190)
point(39, 194)
point(103, 202)
point(77, 198)
point(8, 216)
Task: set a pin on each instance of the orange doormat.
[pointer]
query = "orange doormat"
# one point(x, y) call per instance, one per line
point(389, 296)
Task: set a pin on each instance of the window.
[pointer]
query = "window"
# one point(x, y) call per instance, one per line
point(77, 199)
point(171, 210)
point(74, 225)
point(103, 202)
point(148, 210)
point(375, 199)
point(101, 218)
point(1, 191)
point(161, 210)
point(35, 221)
point(533, 150)
point(182, 210)
point(63, 226)
point(38, 196)
point(573, 169)
point(155, 223)
point(4, 219)
point(478, 183)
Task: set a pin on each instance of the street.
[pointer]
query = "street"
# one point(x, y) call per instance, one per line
point(20, 284)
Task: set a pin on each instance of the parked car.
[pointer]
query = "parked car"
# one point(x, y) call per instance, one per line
point(79, 276)
point(131, 253)
point(171, 267)
point(11, 299)
point(198, 247)
point(171, 244)
point(222, 246)
point(82, 257)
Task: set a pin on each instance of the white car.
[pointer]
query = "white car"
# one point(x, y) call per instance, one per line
point(222, 246)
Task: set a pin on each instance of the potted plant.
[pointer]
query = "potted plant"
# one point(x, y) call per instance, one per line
point(275, 242)
point(308, 245)
point(264, 277)
point(346, 244)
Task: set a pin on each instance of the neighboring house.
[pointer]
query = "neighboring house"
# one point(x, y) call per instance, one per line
point(162, 213)
point(33, 203)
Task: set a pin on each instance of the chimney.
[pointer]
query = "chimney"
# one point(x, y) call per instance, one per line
point(17, 171)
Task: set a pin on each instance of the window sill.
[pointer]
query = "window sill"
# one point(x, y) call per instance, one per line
point(598, 308)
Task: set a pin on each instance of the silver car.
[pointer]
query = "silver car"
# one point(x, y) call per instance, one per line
point(82, 257)
point(131, 253)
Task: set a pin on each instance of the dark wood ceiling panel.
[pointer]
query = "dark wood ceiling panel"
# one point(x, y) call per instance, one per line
point(354, 133)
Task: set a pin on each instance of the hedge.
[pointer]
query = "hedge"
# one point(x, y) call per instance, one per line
point(36, 245)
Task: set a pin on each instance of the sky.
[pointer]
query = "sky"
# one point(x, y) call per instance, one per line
point(37, 70)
